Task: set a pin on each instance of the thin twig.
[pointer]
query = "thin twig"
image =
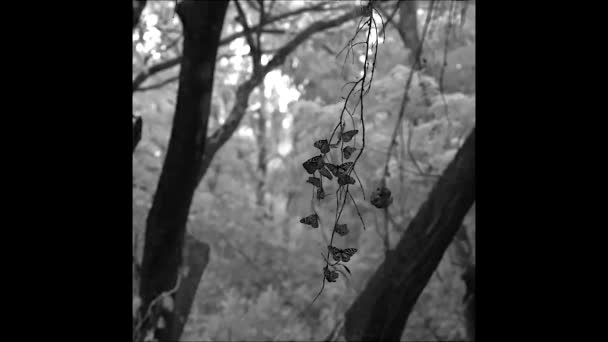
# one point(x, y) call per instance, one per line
point(410, 133)
point(391, 21)
point(443, 67)
point(387, 241)
point(159, 84)
point(141, 77)
point(357, 208)
point(254, 49)
point(405, 99)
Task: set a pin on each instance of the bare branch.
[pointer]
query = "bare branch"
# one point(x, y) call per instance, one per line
point(318, 26)
point(389, 18)
point(137, 125)
point(216, 140)
point(254, 49)
point(406, 98)
point(137, 82)
point(409, 148)
point(140, 78)
point(158, 85)
point(259, 30)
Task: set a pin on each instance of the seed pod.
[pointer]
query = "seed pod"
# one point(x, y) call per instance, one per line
point(381, 198)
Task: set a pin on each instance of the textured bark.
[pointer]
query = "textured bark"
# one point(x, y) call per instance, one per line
point(262, 152)
point(137, 126)
point(166, 223)
point(380, 313)
point(196, 256)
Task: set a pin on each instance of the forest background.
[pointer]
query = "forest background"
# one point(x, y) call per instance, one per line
point(278, 88)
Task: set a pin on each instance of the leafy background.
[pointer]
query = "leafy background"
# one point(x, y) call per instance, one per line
point(264, 265)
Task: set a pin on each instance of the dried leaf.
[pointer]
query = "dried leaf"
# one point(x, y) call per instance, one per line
point(331, 276)
point(313, 164)
point(333, 168)
point(344, 167)
point(322, 145)
point(347, 151)
point(381, 198)
point(320, 194)
point(311, 220)
point(314, 181)
point(341, 229)
point(326, 173)
point(345, 179)
point(347, 136)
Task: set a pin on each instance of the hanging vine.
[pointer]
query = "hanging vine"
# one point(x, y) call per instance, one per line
point(344, 139)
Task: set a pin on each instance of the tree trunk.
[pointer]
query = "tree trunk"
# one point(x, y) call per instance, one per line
point(408, 28)
point(262, 152)
point(196, 256)
point(222, 134)
point(138, 7)
point(137, 126)
point(469, 301)
point(166, 223)
point(380, 313)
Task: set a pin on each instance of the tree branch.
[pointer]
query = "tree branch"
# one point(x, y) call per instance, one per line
point(381, 311)
point(216, 140)
point(140, 78)
point(389, 19)
point(137, 126)
point(254, 49)
point(137, 82)
point(318, 26)
point(404, 101)
point(159, 84)
point(138, 7)
point(166, 222)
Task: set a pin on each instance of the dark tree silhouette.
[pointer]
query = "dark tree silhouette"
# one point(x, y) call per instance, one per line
point(191, 149)
point(408, 28)
point(138, 7)
point(381, 311)
point(165, 227)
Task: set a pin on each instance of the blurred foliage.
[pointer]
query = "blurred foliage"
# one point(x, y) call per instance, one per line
point(265, 266)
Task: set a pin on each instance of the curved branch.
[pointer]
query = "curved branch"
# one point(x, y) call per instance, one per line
point(143, 76)
point(159, 84)
point(216, 140)
point(408, 83)
point(137, 82)
point(381, 311)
